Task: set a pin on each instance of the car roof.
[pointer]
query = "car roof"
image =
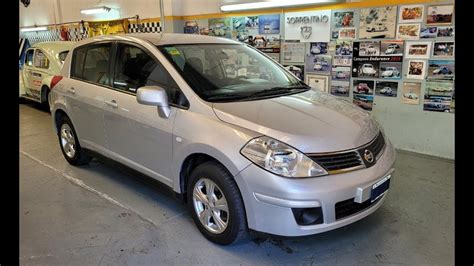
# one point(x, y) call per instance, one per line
point(54, 47)
point(161, 38)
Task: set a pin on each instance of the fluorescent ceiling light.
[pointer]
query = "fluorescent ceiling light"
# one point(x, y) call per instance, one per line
point(33, 29)
point(273, 4)
point(95, 10)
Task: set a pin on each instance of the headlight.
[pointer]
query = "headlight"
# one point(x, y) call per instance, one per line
point(281, 159)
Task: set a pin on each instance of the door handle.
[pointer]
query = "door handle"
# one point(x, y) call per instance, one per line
point(71, 90)
point(112, 103)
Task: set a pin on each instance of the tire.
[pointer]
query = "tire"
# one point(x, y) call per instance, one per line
point(234, 219)
point(67, 136)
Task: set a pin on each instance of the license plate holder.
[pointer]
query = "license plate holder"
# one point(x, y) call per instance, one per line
point(379, 188)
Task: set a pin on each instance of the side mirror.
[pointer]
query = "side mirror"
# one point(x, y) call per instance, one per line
point(157, 96)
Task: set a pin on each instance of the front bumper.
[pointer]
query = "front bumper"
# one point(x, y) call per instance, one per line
point(269, 199)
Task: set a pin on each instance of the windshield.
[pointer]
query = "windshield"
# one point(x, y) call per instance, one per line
point(230, 72)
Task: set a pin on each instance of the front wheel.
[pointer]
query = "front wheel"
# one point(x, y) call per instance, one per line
point(69, 143)
point(215, 204)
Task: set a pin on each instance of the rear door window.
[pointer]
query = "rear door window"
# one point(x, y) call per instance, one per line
point(29, 57)
point(78, 57)
point(41, 60)
point(96, 64)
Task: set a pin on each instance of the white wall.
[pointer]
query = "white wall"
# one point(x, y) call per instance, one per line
point(42, 12)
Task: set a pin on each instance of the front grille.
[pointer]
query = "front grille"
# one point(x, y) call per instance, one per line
point(349, 207)
point(334, 162)
point(350, 160)
point(377, 145)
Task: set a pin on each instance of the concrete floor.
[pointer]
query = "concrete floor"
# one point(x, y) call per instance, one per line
point(98, 214)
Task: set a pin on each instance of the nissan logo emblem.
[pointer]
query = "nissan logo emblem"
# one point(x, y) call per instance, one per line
point(368, 156)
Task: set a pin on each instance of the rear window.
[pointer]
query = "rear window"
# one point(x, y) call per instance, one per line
point(62, 56)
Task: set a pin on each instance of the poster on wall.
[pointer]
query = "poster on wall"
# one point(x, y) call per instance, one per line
point(297, 70)
point(347, 34)
point(311, 26)
point(318, 48)
point(410, 14)
point(343, 47)
point(319, 82)
point(391, 48)
point(411, 92)
point(269, 44)
point(220, 27)
point(269, 24)
point(341, 73)
point(343, 19)
point(408, 31)
point(421, 50)
point(318, 63)
point(440, 15)
point(342, 60)
point(416, 69)
point(362, 93)
point(386, 88)
point(377, 22)
point(368, 60)
point(293, 52)
point(428, 32)
point(443, 49)
point(391, 70)
point(340, 88)
point(440, 69)
point(191, 27)
point(445, 32)
point(438, 96)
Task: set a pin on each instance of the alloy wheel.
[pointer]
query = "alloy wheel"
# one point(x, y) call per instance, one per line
point(210, 205)
point(68, 141)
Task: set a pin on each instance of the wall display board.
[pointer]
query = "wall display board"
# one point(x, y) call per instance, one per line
point(313, 26)
point(377, 22)
point(367, 59)
point(438, 96)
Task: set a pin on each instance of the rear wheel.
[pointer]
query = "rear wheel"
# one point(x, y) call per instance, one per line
point(215, 204)
point(69, 143)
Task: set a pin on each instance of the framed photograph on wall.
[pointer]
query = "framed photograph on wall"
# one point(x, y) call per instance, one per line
point(440, 15)
point(319, 82)
point(410, 14)
point(416, 69)
point(421, 50)
point(408, 31)
point(443, 49)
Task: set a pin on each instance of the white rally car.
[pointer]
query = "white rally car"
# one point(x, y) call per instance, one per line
point(42, 62)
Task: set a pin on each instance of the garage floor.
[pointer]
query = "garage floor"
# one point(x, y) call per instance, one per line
point(99, 214)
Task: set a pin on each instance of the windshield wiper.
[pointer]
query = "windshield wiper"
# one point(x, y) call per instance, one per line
point(226, 96)
point(278, 90)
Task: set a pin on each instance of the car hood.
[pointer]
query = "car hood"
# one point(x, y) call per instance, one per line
point(312, 121)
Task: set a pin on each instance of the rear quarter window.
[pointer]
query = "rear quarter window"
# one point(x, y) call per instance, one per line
point(77, 63)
